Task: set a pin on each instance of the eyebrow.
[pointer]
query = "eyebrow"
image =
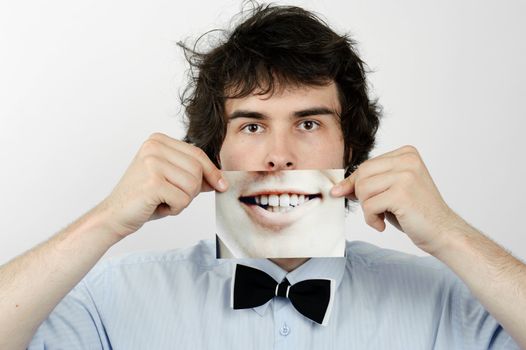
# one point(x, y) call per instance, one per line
point(298, 114)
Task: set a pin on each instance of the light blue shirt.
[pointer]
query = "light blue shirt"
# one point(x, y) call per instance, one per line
point(180, 299)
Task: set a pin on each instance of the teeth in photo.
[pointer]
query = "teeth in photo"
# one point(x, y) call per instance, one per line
point(294, 199)
point(273, 200)
point(284, 200)
point(283, 209)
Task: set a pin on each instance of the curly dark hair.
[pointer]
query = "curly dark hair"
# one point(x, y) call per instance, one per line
point(277, 46)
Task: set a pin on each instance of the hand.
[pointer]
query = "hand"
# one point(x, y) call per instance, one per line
point(163, 178)
point(397, 186)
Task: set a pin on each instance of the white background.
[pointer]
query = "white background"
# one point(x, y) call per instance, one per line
point(83, 84)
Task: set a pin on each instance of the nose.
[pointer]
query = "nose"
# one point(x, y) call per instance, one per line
point(280, 154)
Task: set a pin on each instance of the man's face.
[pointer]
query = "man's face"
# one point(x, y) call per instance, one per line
point(294, 129)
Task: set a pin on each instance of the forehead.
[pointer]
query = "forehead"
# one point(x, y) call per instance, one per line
point(288, 99)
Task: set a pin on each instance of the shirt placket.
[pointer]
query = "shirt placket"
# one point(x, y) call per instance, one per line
point(285, 319)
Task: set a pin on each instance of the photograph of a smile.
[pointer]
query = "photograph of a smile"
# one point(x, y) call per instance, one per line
point(283, 213)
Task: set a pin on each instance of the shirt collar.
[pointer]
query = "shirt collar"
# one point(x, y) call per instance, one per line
point(313, 268)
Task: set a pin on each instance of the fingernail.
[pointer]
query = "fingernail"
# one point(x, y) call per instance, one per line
point(221, 184)
point(336, 190)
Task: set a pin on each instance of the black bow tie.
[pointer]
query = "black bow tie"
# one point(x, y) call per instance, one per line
point(312, 298)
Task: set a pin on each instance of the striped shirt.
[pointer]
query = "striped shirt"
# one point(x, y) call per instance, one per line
point(180, 299)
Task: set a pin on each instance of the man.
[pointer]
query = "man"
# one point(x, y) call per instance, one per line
point(295, 99)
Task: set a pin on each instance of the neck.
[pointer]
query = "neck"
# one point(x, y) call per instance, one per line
point(289, 264)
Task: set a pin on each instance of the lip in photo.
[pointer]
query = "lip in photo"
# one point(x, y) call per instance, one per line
point(280, 214)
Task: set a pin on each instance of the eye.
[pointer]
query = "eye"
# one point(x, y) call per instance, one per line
point(252, 129)
point(309, 125)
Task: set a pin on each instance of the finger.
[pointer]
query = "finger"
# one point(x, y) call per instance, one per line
point(182, 160)
point(344, 187)
point(205, 187)
point(179, 177)
point(397, 152)
point(211, 173)
point(377, 222)
point(384, 162)
point(175, 201)
point(374, 185)
point(377, 165)
point(369, 168)
point(374, 209)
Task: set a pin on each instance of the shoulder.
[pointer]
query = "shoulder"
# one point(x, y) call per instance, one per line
point(369, 257)
point(200, 256)
point(365, 253)
point(202, 253)
point(431, 288)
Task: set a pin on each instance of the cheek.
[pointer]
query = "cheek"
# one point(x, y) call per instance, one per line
point(323, 153)
point(238, 155)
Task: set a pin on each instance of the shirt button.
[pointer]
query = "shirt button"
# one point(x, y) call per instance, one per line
point(284, 330)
